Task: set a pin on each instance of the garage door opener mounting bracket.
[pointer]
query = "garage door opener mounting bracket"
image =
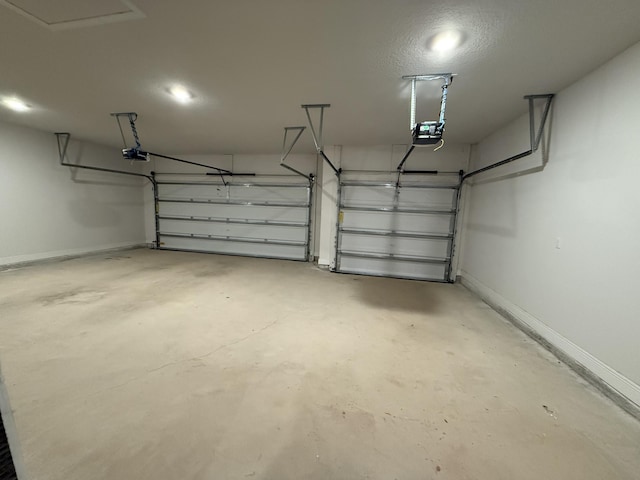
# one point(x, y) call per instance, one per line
point(428, 132)
point(137, 154)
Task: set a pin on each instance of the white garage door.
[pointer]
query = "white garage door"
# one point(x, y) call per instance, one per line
point(253, 219)
point(405, 232)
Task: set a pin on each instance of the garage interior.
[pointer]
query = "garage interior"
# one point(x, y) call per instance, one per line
point(238, 240)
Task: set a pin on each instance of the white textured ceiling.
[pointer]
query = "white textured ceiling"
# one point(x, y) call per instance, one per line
point(251, 64)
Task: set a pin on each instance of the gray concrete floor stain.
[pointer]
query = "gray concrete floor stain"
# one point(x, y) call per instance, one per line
point(167, 365)
point(73, 296)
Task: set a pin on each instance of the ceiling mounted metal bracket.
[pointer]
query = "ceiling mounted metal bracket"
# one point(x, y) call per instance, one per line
point(63, 139)
point(317, 135)
point(133, 153)
point(535, 136)
point(286, 150)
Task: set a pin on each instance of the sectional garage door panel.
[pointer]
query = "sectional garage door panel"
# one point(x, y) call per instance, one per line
point(405, 232)
point(396, 222)
point(412, 247)
point(280, 193)
point(206, 245)
point(392, 268)
point(253, 219)
point(233, 212)
point(412, 198)
point(249, 231)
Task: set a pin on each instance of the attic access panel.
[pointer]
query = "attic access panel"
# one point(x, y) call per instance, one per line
point(64, 14)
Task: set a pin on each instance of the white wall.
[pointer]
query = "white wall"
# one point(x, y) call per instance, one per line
point(558, 247)
point(49, 210)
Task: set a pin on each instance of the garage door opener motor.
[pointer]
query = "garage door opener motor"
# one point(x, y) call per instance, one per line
point(133, 153)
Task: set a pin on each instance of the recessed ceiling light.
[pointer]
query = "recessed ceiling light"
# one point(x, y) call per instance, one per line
point(181, 94)
point(15, 104)
point(445, 41)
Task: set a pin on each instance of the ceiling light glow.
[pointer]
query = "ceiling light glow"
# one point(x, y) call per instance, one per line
point(445, 41)
point(181, 94)
point(15, 104)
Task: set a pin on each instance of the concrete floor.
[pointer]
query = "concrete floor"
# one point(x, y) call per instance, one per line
point(164, 365)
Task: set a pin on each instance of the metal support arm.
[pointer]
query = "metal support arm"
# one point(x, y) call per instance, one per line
point(405, 158)
point(317, 136)
point(286, 150)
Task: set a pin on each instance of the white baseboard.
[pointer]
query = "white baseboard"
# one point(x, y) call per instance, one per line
point(577, 358)
point(60, 254)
